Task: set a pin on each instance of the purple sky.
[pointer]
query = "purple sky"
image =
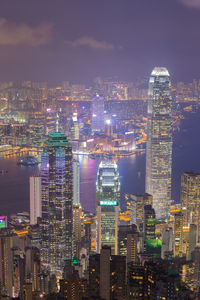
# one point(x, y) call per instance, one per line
point(77, 40)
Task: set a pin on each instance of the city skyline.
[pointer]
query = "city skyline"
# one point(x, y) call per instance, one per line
point(99, 149)
point(124, 237)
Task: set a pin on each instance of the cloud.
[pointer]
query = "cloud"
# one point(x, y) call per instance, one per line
point(12, 34)
point(92, 43)
point(191, 3)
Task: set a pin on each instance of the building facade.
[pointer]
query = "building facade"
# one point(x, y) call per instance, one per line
point(35, 199)
point(178, 234)
point(57, 200)
point(190, 195)
point(76, 182)
point(107, 275)
point(127, 242)
point(137, 205)
point(107, 194)
point(167, 242)
point(78, 228)
point(159, 142)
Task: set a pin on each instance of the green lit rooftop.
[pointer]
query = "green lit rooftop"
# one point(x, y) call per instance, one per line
point(154, 243)
point(57, 139)
point(75, 261)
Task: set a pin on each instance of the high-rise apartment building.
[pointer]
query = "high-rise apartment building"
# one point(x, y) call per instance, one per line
point(57, 200)
point(127, 242)
point(78, 228)
point(35, 199)
point(73, 287)
point(107, 275)
point(149, 223)
point(178, 234)
point(19, 263)
point(136, 282)
point(97, 111)
point(152, 245)
point(105, 271)
point(159, 142)
point(197, 268)
point(167, 243)
point(192, 240)
point(107, 194)
point(76, 182)
point(190, 195)
point(6, 265)
point(137, 204)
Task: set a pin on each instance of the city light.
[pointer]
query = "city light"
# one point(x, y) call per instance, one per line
point(3, 221)
point(108, 202)
point(108, 122)
point(90, 140)
point(89, 166)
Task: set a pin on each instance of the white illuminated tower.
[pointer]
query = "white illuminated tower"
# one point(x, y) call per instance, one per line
point(107, 193)
point(159, 142)
point(35, 199)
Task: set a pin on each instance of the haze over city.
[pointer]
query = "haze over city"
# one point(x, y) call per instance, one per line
point(80, 40)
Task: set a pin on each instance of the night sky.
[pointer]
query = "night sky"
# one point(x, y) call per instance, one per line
point(78, 40)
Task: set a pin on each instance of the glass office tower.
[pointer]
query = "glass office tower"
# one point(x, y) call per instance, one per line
point(57, 198)
point(97, 110)
point(159, 142)
point(190, 195)
point(107, 194)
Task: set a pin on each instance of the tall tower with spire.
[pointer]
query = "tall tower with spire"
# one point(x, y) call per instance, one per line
point(159, 142)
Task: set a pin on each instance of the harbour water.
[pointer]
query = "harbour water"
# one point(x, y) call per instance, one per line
point(14, 185)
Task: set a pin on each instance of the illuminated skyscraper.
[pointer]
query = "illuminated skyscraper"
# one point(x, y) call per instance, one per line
point(149, 223)
point(152, 245)
point(159, 142)
point(190, 195)
point(6, 264)
point(78, 228)
point(107, 275)
point(97, 110)
point(178, 234)
point(107, 192)
point(167, 242)
point(57, 198)
point(137, 205)
point(35, 199)
point(127, 242)
point(192, 240)
point(50, 121)
point(76, 182)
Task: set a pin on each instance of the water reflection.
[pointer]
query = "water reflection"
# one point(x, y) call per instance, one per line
point(14, 186)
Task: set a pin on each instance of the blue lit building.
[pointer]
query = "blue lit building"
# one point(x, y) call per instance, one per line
point(57, 198)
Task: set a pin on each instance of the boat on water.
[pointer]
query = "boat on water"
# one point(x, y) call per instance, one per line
point(28, 161)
